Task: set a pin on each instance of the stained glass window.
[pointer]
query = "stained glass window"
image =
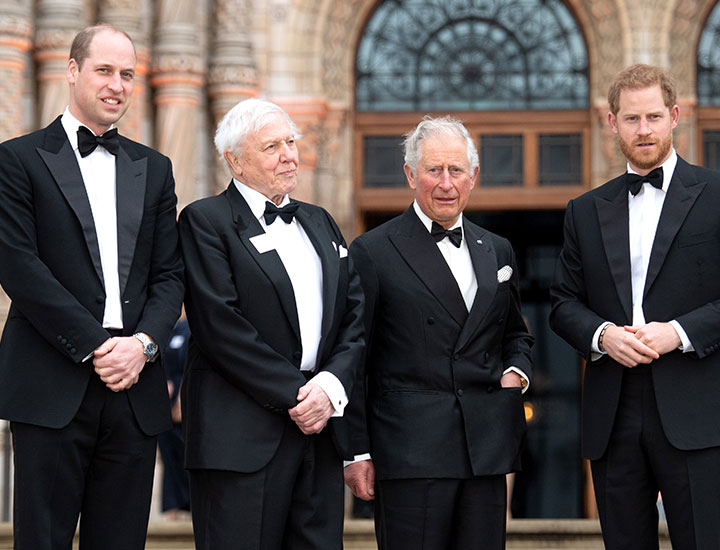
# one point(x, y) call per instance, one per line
point(421, 55)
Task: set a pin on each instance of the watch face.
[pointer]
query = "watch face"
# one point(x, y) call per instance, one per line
point(151, 348)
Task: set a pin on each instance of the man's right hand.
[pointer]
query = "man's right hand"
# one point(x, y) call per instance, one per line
point(360, 477)
point(623, 346)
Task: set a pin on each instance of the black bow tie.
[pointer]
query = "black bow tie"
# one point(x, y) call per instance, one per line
point(287, 212)
point(635, 181)
point(87, 141)
point(439, 233)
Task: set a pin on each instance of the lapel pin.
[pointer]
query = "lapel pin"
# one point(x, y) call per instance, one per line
point(479, 241)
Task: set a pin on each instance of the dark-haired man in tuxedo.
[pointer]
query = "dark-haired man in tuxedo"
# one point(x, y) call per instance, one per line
point(440, 418)
point(636, 292)
point(91, 262)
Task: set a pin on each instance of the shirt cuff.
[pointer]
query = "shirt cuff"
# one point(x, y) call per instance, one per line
point(333, 388)
point(686, 346)
point(357, 458)
point(522, 375)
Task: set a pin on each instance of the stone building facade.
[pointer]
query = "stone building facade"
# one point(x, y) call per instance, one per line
point(197, 58)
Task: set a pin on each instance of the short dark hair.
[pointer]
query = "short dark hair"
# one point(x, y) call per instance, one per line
point(80, 49)
point(637, 77)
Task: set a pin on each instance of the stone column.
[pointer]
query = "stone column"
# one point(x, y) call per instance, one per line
point(15, 33)
point(57, 23)
point(129, 16)
point(178, 77)
point(309, 115)
point(233, 74)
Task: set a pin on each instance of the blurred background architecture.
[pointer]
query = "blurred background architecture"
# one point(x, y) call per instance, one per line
point(528, 77)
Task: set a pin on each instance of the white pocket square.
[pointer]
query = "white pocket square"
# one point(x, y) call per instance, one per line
point(504, 274)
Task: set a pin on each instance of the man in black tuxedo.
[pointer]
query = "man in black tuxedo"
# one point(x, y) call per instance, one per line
point(274, 307)
point(91, 262)
point(440, 418)
point(636, 293)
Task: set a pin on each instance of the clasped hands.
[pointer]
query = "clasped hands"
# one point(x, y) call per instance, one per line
point(314, 409)
point(119, 361)
point(640, 344)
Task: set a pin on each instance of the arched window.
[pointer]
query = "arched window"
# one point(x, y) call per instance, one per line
point(440, 55)
point(708, 90)
point(514, 71)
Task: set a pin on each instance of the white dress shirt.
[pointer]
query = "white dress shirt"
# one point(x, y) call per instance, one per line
point(98, 173)
point(304, 268)
point(644, 211)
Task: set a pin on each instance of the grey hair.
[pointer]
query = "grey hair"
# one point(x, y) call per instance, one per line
point(430, 127)
point(247, 117)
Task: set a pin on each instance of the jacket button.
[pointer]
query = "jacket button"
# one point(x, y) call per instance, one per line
point(456, 356)
point(68, 345)
point(501, 321)
point(431, 320)
point(100, 299)
point(59, 338)
point(297, 355)
point(490, 389)
point(63, 341)
point(73, 351)
point(460, 392)
point(486, 356)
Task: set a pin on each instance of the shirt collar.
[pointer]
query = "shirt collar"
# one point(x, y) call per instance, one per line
point(71, 125)
point(668, 169)
point(256, 200)
point(427, 222)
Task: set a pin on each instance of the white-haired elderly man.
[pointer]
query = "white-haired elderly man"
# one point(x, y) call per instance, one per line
point(448, 353)
point(275, 308)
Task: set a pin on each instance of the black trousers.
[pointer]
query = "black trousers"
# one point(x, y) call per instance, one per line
point(441, 514)
point(294, 503)
point(99, 467)
point(638, 463)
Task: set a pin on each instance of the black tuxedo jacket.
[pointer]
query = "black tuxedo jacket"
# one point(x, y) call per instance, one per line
point(593, 285)
point(50, 268)
point(434, 406)
point(242, 373)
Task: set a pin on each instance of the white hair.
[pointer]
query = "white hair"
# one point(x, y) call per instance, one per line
point(246, 118)
point(430, 127)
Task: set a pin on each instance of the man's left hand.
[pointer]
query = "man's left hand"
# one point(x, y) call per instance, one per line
point(119, 361)
point(511, 380)
point(314, 410)
point(662, 337)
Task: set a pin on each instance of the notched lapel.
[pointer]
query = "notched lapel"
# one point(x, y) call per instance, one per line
point(682, 194)
point(484, 260)
point(269, 262)
point(130, 183)
point(65, 170)
point(615, 232)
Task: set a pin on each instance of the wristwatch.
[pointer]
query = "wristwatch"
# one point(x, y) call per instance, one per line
point(150, 348)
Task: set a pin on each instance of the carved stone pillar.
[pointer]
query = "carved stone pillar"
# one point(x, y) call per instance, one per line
point(15, 33)
point(233, 75)
point(128, 16)
point(309, 115)
point(57, 23)
point(178, 76)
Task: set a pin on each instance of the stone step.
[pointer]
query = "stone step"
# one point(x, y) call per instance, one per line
point(525, 534)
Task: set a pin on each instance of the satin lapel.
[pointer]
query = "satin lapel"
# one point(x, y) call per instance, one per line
point(682, 193)
point(270, 263)
point(615, 231)
point(130, 185)
point(484, 260)
point(313, 224)
point(62, 164)
point(421, 253)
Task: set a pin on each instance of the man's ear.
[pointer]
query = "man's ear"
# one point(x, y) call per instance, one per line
point(409, 175)
point(233, 162)
point(612, 121)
